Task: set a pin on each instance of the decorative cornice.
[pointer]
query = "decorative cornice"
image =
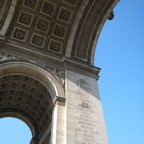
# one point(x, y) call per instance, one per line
point(84, 69)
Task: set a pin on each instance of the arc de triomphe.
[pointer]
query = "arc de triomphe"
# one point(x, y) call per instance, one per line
point(47, 73)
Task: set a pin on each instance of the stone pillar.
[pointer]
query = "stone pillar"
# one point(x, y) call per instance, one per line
point(84, 116)
point(58, 122)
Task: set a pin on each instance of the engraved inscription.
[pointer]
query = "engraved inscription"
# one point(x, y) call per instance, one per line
point(86, 129)
point(83, 84)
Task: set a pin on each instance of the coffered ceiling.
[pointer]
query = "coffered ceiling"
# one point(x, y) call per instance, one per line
point(27, 96)
point(57, 28)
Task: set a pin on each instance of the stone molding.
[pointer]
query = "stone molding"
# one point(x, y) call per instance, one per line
point(84, 69)
point(5, 56)
point(58, 73)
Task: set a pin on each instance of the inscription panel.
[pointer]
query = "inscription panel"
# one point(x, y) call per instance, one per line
point(85, 122)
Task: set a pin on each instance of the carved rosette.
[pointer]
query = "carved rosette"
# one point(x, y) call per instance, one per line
point(25, 18)
point(42, 25)
point(65, 15)
point(38, 40)
point(59, 31)
point(20, 34)
point(55, 46)
point(32, 4)
point(48, 8)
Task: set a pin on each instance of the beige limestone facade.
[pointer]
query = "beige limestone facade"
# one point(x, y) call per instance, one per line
point(47, 73)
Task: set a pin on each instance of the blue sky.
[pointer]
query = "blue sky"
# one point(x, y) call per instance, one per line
point(120, 54)
point(14, 131)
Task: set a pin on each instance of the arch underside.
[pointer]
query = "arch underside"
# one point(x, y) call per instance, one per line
point(59, 29)
point(26, 96)
point(28, 92)
point(38, 38)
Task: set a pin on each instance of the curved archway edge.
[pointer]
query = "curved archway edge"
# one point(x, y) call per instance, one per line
point(45, 77)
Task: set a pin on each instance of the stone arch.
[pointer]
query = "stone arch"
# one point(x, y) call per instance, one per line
point(28, 92)
point(35, 71)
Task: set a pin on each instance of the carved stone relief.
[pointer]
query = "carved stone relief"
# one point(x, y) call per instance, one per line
point(27, 94)
point(4, 56)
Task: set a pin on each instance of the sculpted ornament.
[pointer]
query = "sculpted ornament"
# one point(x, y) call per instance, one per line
point(6, 56)
point(60, 74)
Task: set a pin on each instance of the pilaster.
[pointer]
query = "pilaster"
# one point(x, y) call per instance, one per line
point(84, 116)
point(58, 122)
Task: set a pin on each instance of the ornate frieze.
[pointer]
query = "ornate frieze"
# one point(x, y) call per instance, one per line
point(6, 56)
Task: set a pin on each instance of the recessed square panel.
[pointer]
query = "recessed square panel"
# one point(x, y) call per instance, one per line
point(19, 34)
point(59, 31)
point(55, 46)
point(25, 18)
point(48, 8)
point(65, 15)
point(38, 40)
point(31, 4)
point(42, 25)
